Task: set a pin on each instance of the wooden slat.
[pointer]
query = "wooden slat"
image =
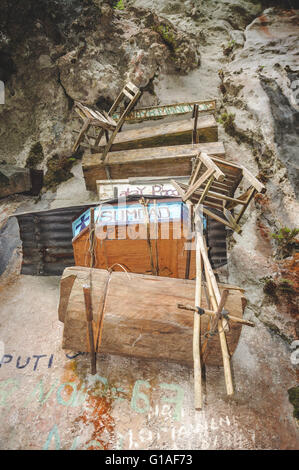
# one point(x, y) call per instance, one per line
point(83, 130)
point(253, 180)
point(209, 163)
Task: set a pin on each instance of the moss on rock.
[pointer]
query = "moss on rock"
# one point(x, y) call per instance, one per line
point(294, 400)
point(36, 156)
point(58, 170)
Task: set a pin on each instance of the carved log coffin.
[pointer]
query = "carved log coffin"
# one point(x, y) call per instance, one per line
point(140, 315)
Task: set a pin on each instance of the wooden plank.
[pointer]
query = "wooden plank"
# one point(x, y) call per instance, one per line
point(149, 324)
point(217, 217)
point(141, 186)
point(173, 133)
point(249, 198)
point(218, 306)
point(205, 191)
point(231, 220)
point(177, 109)
point(144, 162)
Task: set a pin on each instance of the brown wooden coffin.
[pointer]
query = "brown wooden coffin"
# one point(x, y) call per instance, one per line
point(160, 248)
point(172, 133)
point(140, 315)
point(160, 161)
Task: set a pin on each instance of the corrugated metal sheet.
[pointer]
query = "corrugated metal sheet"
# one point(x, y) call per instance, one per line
point(47, 239)
point(216, 240)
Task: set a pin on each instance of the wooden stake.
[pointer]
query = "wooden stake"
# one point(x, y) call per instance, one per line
point(89, 318)
point(195, 117)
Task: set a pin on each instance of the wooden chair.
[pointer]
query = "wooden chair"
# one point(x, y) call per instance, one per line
point(213, 183)
point(94, 120)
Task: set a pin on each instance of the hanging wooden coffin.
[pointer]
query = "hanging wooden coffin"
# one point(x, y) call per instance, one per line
point(149, 237)
point(138, 315)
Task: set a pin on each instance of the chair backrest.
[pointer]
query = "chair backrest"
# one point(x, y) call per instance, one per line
point(94, 115)
point(130, 90)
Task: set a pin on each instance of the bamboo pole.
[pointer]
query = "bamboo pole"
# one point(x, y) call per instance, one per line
point(196, 333)
point(222, 338)
point(216, 300)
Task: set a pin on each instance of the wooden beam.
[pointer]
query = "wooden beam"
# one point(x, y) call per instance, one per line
point(251, 194)
point(206, 189)
point(231, 219)
point(81, 135)
point(224, 350)
point(216, 217)
point(195, 172)
point(119, 123)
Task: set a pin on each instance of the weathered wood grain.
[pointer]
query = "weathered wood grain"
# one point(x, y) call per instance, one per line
point(141, 316)
point(134, 254)
point(171, 133)
point(159, 161)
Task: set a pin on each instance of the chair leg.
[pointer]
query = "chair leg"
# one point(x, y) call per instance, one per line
point(119, 125)
point(84, 129)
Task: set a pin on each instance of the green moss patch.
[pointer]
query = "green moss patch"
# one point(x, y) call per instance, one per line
point(36, 156)
point(294, 400)
point(58, 170)
point(167, 35)
point(286, 241)
point(228, 122)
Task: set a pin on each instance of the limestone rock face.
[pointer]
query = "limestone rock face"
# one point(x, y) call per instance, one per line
point(259, 87)
point(83, 53)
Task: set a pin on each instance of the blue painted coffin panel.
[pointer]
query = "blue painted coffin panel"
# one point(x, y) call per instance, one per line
point(107, 214)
